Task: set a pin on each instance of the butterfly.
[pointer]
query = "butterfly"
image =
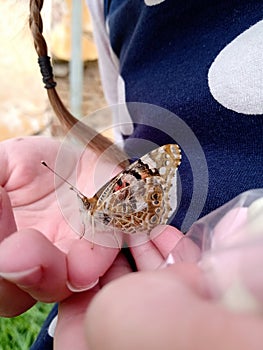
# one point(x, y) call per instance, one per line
point(139, 198)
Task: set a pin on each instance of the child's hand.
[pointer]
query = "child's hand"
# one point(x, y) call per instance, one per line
point(40, 256)
point(167, 309)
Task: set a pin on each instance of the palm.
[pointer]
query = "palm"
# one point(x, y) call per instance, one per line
point(38, 202)
point(31, 187)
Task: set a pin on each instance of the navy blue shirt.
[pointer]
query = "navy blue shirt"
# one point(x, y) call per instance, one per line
point(172, 55)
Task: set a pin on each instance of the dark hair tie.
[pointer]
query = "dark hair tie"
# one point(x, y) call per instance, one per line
point(46, 71)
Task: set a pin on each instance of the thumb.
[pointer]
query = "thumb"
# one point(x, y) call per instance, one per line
point(7, 220)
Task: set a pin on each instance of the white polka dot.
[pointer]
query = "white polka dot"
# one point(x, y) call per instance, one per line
point(153, 2)
point(235, 77)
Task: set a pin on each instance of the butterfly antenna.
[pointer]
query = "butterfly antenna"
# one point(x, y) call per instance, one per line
point(73, 188)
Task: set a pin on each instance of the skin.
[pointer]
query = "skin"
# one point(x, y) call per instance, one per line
point(41, 258)
point(169, 309)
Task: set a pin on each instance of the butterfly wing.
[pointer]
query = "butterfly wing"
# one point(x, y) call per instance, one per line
point(143, 195)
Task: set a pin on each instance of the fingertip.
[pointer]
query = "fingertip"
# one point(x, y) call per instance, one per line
point(151, 254)
point(30, 260)
point(165, 238)
point(86, 264)
point(24, 250)
point(138, 295)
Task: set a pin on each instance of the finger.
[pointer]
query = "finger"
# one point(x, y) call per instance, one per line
point(165, 238)
point(151, 255)
point(30, 261)
point(18, 155)
point(174, 245)
point(191, 275)
point(13, 301)
point(119, 268)
point(162, 313)
point(70, 324)
point(7, 220)
point(86, 264)
point(147, 256)
point(72, 311)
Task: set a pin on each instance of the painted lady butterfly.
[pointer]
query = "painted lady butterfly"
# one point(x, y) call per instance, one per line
point(139, 198)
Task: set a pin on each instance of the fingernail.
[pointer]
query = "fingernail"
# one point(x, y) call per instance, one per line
point(77, 289)
point(168, 262)
point(23, 278)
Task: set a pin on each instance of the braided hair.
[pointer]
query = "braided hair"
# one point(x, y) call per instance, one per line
point(96, 141)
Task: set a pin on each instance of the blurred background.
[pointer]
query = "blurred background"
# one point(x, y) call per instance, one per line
point(24, 108)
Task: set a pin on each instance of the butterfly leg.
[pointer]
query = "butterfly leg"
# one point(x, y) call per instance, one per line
point(119, 244)
point(92, 231)
point(83, 231)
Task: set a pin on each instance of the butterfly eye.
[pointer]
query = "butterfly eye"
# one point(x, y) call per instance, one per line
point(86, 202)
